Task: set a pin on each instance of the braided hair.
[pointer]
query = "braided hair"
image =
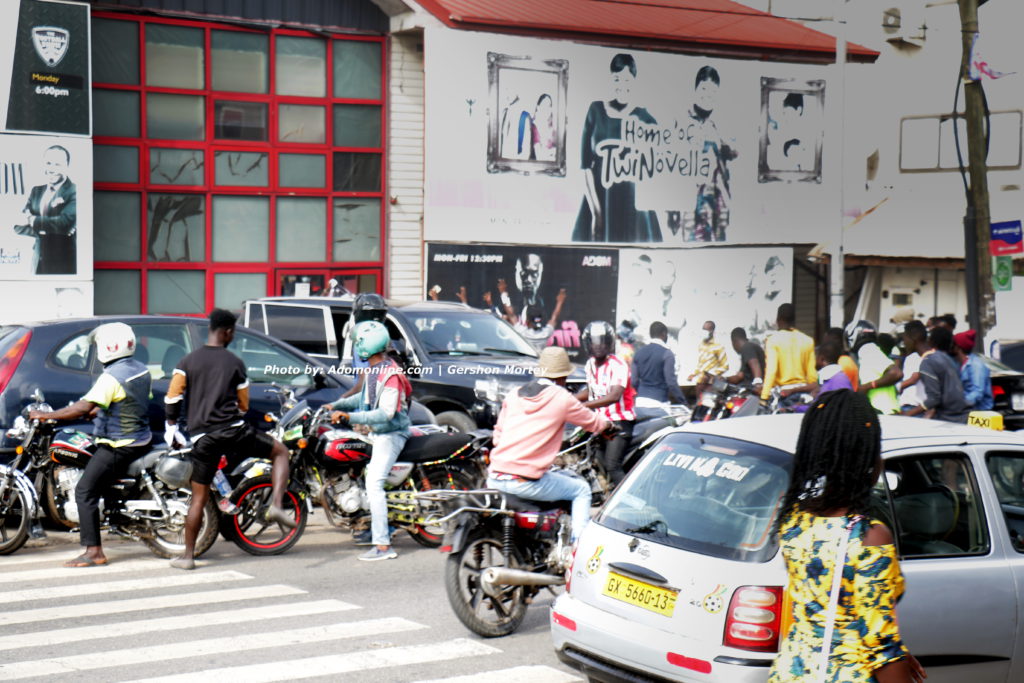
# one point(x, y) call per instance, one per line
point(836, 455)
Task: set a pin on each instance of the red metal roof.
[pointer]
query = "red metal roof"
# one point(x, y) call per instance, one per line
point(718, 27)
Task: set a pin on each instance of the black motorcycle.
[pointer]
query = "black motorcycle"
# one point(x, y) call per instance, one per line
point(148, 503)
point(723, 400)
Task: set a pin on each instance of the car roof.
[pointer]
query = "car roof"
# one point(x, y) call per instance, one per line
point(782, 431)
point(100, 319)
point(348, 301)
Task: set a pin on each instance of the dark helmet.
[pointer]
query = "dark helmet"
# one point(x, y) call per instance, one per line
point(369, 306)
point(859, 333)
point(598, 338)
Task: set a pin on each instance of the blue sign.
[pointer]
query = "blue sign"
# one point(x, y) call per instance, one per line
point(1006, 238)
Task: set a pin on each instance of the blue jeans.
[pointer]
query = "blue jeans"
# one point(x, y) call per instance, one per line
point(552, 486)
point(386, 448)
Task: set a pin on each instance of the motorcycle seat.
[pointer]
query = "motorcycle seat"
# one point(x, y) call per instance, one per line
point(145, 462)
point(432, 447)
point(526, 505)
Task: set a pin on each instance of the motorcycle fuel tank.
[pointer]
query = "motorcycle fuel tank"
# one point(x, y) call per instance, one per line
point(72, 448)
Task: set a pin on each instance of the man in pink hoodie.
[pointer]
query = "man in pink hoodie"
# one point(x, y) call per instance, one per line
point(529, 435)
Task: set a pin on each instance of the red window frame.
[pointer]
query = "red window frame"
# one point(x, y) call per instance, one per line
point(209, 146)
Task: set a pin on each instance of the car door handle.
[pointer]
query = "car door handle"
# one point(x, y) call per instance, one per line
point(638, 571)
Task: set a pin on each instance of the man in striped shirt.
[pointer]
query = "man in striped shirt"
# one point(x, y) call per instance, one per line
point(608, 391)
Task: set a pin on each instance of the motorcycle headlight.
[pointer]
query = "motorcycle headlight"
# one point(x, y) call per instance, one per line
point(18, 429)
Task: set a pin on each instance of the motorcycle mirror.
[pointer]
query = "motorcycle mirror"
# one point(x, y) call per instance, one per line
point(37, 396)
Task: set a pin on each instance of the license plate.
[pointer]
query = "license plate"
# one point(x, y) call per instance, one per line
point(652, 598)
point(1017, 401)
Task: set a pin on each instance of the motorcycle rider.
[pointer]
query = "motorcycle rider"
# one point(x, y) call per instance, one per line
point(212, 384)
point(528, 435)
point(367, 306)
point(121, 396)
point(608, 388)
point(654, 368)
point(382, 410)
point(879, 375)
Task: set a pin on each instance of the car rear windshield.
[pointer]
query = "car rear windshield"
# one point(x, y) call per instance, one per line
point(711, 495)
point(468, 333)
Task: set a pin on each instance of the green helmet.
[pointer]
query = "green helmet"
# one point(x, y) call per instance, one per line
point(371, 337)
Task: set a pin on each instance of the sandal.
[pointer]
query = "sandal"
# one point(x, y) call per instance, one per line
point(85, 561)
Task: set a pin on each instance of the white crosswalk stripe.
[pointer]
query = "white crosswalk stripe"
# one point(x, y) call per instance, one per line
point(167, 580)
point(34, 575)
point(517, 674)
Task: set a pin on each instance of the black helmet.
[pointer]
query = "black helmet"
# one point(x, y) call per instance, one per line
point(369, 306)
point(859, 333)
point(598, 336)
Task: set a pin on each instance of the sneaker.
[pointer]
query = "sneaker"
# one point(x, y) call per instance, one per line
point(276, 514)
point(365, 537)
point(375, 553)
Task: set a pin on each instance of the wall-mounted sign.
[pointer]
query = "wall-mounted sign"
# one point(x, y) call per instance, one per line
point(1006, 238)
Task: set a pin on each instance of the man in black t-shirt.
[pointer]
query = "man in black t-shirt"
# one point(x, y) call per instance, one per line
point(751, 370)
point(212, 384)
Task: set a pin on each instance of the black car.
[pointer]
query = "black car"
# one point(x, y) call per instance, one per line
point(460, 360)
point(1007, 393)
point(56, 357)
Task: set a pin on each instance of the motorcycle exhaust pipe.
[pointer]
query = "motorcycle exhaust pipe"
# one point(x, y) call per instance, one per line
point(503, 576)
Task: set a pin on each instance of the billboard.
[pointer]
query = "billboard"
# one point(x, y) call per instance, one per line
point(552, 142)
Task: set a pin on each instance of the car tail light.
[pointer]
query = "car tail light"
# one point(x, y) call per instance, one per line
point(541, 521)
point(754, 619)
point(998, 391)
point(9, 361)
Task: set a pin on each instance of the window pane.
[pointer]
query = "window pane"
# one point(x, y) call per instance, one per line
point(112, 164)
point(356, 229)
point(356, 172)
point(303, 328)
point(230, 290)
point(240, 121)
point(176, 291)
point(241, 228)
point(176, 166)
point(297, 123)
point(248, 169)
point(1007, 472)
point(74, 354)
point(116, 226)
point(115, 113)
point(175, 117)
point(356, 126)
point(160, 346)
point(301, 229)
point(919, 143)
point(174, 56)
point(115, 51)
point(302, 170)
point(258, 355)
point(301, 66)
point(357, 69)
point(238, 61)
point(177, 227)
point(116, 291)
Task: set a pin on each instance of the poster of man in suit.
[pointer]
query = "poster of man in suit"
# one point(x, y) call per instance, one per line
point(50, 216)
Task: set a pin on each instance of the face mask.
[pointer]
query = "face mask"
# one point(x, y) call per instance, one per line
point(708, 336)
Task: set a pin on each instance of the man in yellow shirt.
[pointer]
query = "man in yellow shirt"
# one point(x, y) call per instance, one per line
point(712, 360)
point(789, 355)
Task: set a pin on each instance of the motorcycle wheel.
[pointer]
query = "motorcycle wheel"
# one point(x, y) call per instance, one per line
point(483, 614)
point(170, 542)
point(253, 534)
point(15, 520)
point(50, 500)
point(449, 479)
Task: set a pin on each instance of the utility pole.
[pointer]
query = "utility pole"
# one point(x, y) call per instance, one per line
point(981, 313)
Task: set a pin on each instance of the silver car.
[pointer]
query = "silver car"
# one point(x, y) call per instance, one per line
point(679, 577)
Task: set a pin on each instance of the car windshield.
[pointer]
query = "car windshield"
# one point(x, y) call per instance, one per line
point(711, 495)
point(468, 333)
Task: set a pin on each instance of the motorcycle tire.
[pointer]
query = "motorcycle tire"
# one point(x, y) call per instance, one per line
point(170, 543)
point(50, 500)
point(250, 531)
point(449, 479)
point(15, 520)
point(484, 615)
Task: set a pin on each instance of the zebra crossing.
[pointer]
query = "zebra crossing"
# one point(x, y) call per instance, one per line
point(139, 620)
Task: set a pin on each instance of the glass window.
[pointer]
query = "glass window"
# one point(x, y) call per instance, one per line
point(301, 284)
point(301, 66)
point(241, 228)
point(304, 327)
point(357, 69)
point(160, 346)
point(115, 113)
point(115, 51)
point(1007, 472)
point(357, 172)
point(356, 126)
point(302, 170)
point(230, 290)
point(176, 166)
point(356, 229)
point(238, 61)
point(246, 169)
point(301, 228)
point(116, 292)
point(175, 117)
point(176, 291)
point(174, 56)
point(177, 227)
point(935, 506)
point(115, 164)
point(116, 226)
point(240, 121)
point(74, 353)
point(299, 123)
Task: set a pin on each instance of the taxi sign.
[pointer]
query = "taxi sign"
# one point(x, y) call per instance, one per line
point(989, 419)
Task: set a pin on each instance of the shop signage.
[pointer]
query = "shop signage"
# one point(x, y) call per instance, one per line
point(1006, 238)
point(1002, 273)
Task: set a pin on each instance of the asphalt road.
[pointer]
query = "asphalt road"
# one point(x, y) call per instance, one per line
point(314, 613)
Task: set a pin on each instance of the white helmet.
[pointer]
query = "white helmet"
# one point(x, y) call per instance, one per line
point(113, 341)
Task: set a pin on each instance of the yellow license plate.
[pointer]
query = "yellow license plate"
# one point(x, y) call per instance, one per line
point(652, 598)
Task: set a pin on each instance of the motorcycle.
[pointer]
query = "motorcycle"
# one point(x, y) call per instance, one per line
point(327, 464)
point(586, 460)
point(723, 400)
point(149, 503)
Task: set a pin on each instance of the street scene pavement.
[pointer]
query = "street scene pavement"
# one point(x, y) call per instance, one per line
point(313, 613)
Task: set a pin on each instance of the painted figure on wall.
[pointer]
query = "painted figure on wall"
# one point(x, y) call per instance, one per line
point(50, 215)
point(711, 214)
